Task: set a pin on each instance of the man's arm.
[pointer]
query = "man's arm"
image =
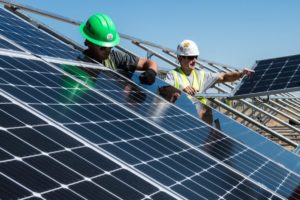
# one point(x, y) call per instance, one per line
point(150, 68)
point(233, 76)
point(145, 64)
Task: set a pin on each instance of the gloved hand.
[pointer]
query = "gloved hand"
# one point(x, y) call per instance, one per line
point(148, 77)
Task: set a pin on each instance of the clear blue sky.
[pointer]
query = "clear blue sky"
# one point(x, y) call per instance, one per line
point(233, 32)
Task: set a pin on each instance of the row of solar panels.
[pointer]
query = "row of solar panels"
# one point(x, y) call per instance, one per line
point(182, 165)
point(155, 151)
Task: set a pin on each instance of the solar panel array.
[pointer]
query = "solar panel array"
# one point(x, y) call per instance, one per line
point(277, 75)
point(34, 40)
point(117, 131)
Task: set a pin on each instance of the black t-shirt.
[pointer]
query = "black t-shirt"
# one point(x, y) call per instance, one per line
point(123, 61)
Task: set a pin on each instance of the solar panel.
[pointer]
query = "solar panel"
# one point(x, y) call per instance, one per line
point(237, 131)
point(216, 144)
point(38, 159)
point(179, 167)
point(259, 143)
point(31, 38)
point(272, 76)
point(6, 45)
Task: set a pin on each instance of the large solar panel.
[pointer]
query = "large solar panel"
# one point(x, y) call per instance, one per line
point(192, 130)
point(235, 130)
point(189, 172)
point(272, 76)
point(38, 159)
point(31, 38)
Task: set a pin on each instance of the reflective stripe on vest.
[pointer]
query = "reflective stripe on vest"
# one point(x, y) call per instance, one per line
point(109, 63)
point(197, 86)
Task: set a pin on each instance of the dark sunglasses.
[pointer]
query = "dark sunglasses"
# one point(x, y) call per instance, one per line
point(189, 57)
point(105, 48)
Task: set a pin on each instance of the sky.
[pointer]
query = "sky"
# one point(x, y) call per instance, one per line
point(232, 32)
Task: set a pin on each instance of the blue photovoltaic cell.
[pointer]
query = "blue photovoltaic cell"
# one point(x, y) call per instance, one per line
point(6, 45)
point(31, 38)
point(277, 75)
point(37, 157)
point(261, 144)
point(144, 146)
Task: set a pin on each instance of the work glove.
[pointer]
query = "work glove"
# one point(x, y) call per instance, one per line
point(148, 77)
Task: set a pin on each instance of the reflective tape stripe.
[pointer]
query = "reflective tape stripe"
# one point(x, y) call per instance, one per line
point(109, 63)
point(186, 82)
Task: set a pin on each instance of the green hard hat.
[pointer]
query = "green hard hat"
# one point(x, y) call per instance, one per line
point(100, 30)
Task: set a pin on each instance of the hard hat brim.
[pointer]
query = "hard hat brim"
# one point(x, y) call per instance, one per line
point(112, 43)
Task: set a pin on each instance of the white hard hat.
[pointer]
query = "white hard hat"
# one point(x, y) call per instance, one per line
point(187, 48)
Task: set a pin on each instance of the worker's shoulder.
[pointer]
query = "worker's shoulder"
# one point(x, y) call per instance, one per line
point(116, 54)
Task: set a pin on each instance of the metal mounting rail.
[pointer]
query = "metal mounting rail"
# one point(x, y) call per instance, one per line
point(16, 6)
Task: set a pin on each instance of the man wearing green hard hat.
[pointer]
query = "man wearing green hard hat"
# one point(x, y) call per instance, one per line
point(101, 36)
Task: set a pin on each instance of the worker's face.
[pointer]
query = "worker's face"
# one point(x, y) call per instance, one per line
point(98, 52)
point(188, 62)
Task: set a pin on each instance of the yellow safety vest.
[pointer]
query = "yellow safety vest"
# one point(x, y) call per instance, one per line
point(228, 102)
point(109, 63)
point(196, 85)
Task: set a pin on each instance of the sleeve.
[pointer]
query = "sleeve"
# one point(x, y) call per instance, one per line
point(169, 78)
point(125, 61)
point(210, 79)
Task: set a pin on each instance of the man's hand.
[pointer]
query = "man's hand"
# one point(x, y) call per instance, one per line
point(233, 76)
point(247, 72)
point(148, 77)
point(190, 90)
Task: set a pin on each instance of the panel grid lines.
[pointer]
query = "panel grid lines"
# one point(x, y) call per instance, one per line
point(33, 162)
point(177, 124)
point(6, 45)
point(108, 90)
point(32, 39)
point(278, 75)
point(134, 157)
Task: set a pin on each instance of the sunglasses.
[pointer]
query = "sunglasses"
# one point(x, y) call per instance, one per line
point(104, 48)
point(189, 57)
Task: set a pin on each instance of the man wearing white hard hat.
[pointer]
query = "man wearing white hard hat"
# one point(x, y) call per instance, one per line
point(192, 81)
